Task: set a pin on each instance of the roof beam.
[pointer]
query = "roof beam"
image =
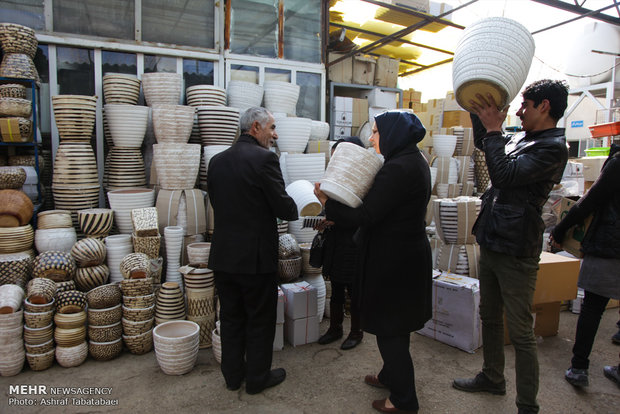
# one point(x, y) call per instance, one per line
point(573, 8)
point(424, 67)
point(368, 32)
point(416, 13)
point(387, 39)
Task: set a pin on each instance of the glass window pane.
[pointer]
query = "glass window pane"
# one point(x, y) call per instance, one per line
point(281, 75)
point(179, 22)
point(244, 73)
point(118, 62)
point(76, 71)
point(309, 103)
point(25, 12)
point(110, 18)
point(154, 63)
point(254, 27)
point(197, 72)
point(302, 30)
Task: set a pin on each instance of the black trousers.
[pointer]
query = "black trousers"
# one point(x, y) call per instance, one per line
point(247, 326)
point(592, 310)
point(397, 373)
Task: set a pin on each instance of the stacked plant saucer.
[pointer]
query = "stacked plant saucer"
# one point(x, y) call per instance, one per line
point(138, 321)
point(121, 88)
point(243, 95)
point(218, 124)
point(205, 95)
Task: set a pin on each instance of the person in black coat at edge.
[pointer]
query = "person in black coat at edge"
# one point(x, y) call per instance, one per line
point(599, 276)
point(246, 189)
point(341, 266)
point(509, 229)
point(396, 268)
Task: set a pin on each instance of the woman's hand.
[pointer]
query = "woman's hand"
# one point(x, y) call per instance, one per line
point(319, 194)
point(487, 110)
point(323, 224)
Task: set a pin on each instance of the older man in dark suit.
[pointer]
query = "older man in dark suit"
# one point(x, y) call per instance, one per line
point(246, 190)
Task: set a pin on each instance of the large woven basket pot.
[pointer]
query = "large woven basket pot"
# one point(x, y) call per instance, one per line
point(125, 168)
point(173, 123)
point(15, 268)
point(95, 221)
point(19, 65)
point(350, 174)
point(177, 165)
point(493, 56)
point(16, 38)
point(162, 88)
point(16, 208)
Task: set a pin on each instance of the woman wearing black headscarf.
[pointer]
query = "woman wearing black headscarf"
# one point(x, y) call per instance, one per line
point(396, 277)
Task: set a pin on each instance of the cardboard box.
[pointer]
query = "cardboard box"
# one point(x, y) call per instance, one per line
point(546, 320)
point(341, 72)
point(374, 111)
point(302, 331)
point(379, 98)
point(466, 217)
point(386, 72)
point(9, 131)
point(364, 70)
point(168, 207)
point(301, 300)
point(415, 96)
point(557, 278)
point(448, 258)
point(456, 319)
point(280, 307)
point(278, 339)
point(343, 118)
point(343, 104)
point(435, 106)
point(450, 103)
point(418, 107)
point(324, 146)
point(574, 236)
point(592, 167)
point(342, 132)
point(456, 118)
point(360, 112)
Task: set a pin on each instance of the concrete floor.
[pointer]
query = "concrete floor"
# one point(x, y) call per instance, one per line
point(324, 379)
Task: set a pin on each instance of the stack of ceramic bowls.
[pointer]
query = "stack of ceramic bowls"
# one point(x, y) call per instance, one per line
point(444, 145)
point(12, 353)
point(16, 268)
point(198, 253)
point(493, 57)
point(176, 346)
point(244, 95)
point(205, 95)
point(95, 222)
point(89, 255)
point(120, 88)
point(54, 231)
point(350, 173)
point(170, 303)
point(55, 265)
point(302, 192)
point(218, 124)
point(173, 238)
point(177, 165)
point(281, 97)
point(19, 45)
point(75, 182)
point(319, 131)
point(70, 332)
point(104, 322)
point(302, 234)
point(74, 116)
point(452, 227)
point(137, 322)
point(16, 239)
point(293, 134)
point(16, 208)
point(173, 123)
point(162, 88)
point(123, 201)
point(310, 167)
point(117, 247)
point(318, 283)
point(39, 315)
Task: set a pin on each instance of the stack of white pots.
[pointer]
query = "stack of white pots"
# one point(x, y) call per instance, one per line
point(173, 237)
point(117, 247)
point(176, 346)
point(12, 354)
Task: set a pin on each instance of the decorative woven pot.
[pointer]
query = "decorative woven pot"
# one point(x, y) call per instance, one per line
point(289, 269)
point(177, 165)
point(16, 208)
point(55, 265)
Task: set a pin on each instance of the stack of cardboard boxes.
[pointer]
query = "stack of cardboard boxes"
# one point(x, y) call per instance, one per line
point(301, 321)
point(350, 115)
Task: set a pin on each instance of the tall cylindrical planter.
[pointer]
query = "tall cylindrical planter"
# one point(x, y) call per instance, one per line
point(173, 238)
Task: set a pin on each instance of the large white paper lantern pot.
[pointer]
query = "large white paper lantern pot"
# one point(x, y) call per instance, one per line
point(302, 192)
point(444, 145)
point(127, 124)
point(493, 56)
point(244, 95)
point(177, 165)
point(350, 173)
point(293, 134)
point(281, 97)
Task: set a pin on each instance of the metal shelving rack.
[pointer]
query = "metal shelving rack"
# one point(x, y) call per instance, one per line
point(34, 144)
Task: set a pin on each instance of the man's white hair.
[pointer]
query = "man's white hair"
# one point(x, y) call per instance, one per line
point(255, 113)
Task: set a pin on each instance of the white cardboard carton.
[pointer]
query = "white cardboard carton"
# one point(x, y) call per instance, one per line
point(455, 321)
point(301, 300)
point(302, 331)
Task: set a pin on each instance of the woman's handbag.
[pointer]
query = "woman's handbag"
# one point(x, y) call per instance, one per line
point(316, 250)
